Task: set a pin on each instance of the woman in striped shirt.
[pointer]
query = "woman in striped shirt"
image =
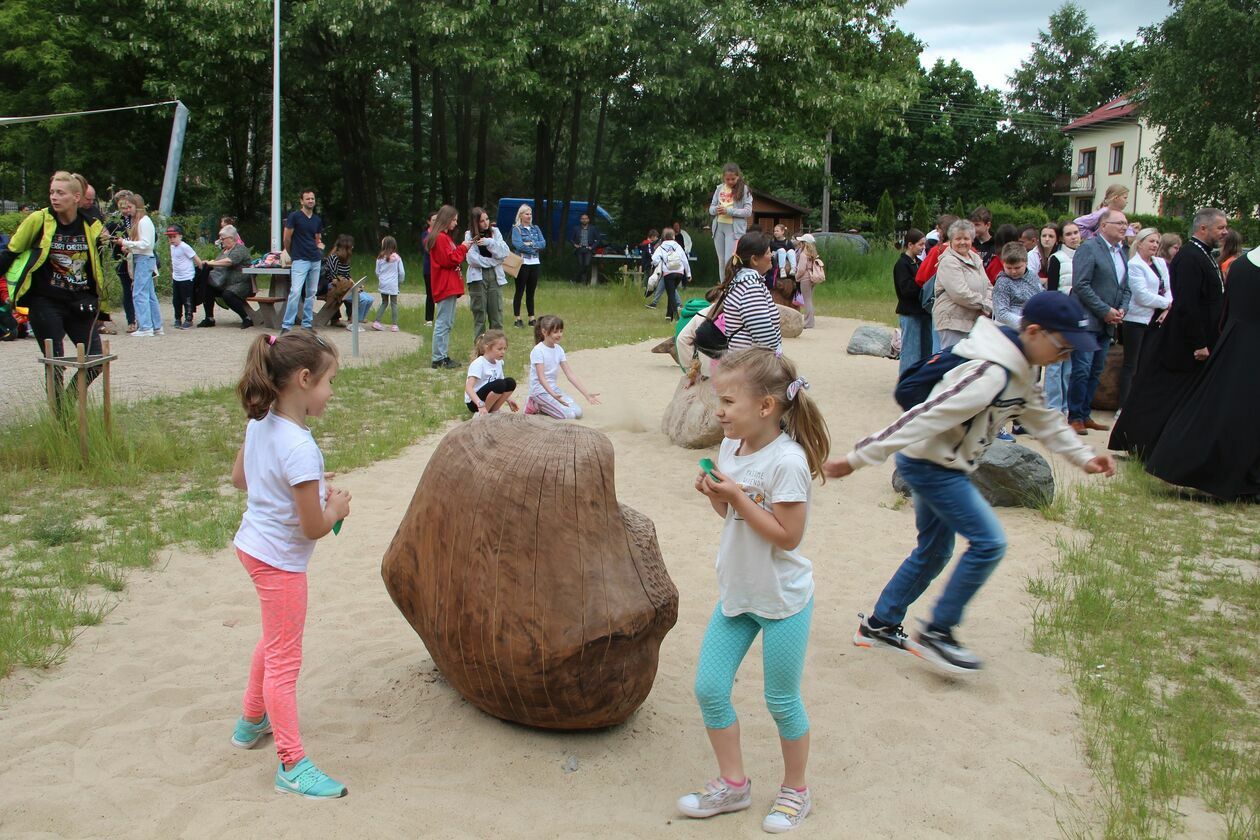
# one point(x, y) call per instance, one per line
point(751, 318)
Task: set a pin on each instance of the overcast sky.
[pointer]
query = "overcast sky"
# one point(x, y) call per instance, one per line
point(991, 38)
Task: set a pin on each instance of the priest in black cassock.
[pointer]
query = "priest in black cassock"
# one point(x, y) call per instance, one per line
point(1178, 343)
point(1212, 440)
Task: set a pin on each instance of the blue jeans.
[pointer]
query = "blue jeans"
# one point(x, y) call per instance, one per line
point(365, 306)
point(1058, 382)
point(1087, 367)
point(303, 281)
point(945, 503)
point(143, 295)
point(443, 321)
point(916, 339)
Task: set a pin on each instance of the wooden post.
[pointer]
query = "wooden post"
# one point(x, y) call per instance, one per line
point(109, 422)
point(81, 382)
point(50, 380)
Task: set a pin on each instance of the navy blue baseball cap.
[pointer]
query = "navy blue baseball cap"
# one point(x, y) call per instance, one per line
point(1063, 314)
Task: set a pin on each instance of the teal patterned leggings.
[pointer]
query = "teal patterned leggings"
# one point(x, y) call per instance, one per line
point(783, 643)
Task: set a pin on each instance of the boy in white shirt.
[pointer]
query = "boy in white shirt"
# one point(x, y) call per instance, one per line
point(184, 265)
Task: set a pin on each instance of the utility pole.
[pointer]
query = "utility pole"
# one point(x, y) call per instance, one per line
point(826, 219)
point(275, 127)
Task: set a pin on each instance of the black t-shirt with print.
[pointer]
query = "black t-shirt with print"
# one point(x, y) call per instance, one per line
point(65, 273)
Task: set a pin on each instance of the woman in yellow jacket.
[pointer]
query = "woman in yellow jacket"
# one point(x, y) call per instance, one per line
point(53, 267)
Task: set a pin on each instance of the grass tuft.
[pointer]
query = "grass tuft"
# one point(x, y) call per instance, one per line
point(1156, 611)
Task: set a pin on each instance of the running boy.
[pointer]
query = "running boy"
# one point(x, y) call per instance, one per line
point(942, 438)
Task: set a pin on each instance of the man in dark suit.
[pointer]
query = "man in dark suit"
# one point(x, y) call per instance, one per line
point(1100, 281)
point(1193, 322)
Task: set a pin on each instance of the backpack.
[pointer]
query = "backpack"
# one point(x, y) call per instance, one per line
point(916, 384)
point(927, 295)
point(673, 261)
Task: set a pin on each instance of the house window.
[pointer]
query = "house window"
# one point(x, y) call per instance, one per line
point(1082, 206)
point(1086, 167)
point(1116, 163)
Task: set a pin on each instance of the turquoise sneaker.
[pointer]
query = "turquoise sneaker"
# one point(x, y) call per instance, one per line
point(247, 735)
point(305, 779)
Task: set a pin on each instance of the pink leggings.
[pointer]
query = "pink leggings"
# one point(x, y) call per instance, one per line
point(273, 673)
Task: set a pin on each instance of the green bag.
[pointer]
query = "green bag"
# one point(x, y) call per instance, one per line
point(690, 309)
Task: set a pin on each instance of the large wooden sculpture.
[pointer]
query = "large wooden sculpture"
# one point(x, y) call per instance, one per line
point(541, 599)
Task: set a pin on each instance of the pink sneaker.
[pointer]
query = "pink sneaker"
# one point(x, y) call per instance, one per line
point(376, 325)
point(394, 328)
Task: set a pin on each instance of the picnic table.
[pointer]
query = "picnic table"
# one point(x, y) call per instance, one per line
point(263, 307)
point(630, 268)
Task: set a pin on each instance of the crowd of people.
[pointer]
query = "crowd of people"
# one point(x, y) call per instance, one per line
point(1162, 302)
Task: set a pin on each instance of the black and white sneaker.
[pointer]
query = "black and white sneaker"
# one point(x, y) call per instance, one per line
point(892, 637)
point(944, 651)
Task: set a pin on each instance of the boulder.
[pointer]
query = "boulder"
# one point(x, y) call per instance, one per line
point(869, 340)
point(668, 346)
point(1107, 397)
point(1009, 475)
point(690, 419)
point(791, 321)
point(540, 598)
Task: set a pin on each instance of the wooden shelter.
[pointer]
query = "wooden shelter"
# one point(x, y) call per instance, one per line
point(769, 210)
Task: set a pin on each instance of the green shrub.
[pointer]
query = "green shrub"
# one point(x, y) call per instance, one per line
point(885, 218)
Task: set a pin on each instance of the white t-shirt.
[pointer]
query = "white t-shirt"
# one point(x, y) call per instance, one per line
point(278, 455)
point(182, 266)
point(753, 575)
point(485, 371)
point(550, 358)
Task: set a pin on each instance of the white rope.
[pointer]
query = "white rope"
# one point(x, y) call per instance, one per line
point(41, 117)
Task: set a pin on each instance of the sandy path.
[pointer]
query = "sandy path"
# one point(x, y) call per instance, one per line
point(179, 361)
point(130, 736)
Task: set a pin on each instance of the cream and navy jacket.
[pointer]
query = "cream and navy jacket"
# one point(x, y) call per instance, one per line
point(970, 405)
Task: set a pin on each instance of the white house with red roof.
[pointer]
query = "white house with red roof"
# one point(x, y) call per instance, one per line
point(1108, 143)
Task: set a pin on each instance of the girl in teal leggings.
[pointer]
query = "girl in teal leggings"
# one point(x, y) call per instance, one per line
point(776, 442)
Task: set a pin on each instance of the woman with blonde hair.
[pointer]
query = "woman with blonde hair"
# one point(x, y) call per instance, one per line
point(1152, 294)
point(139, 243)
point(809, 273)
point(54, 266)
point(527, 241)
point(1169, 245)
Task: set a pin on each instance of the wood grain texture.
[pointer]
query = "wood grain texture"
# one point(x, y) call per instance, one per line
point(542, 600)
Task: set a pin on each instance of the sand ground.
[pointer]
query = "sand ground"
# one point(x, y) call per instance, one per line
point(129, 738)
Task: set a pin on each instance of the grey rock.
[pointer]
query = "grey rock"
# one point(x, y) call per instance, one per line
point(868, 340)
point(690, 419)
point(791, 321)
point(570, 764)
point(1009, 475)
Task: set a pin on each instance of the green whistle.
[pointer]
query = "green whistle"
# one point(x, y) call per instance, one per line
point(708, 466)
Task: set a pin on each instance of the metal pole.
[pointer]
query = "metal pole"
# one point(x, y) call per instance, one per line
point(275, 127)
point(826, 216)
point(354, 317)
point(173, 154)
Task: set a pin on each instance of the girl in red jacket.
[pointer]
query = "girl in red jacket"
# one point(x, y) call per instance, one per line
point(446, 281)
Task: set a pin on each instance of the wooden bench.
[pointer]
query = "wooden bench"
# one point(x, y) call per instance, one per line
point(264, 310)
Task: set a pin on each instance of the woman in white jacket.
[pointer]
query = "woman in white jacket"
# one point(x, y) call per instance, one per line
point(486, 252)
point(730, 207)
point(671, 263)
point(139, 244)
point(1152, 295)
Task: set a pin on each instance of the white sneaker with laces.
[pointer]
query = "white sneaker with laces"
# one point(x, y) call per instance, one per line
point(143, 334)
point(718, 797)
point(790, 808)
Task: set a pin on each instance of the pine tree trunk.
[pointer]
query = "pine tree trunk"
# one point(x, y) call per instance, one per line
point(570, 175)
point(439, 131)
point(592, 195)
point(417, 159)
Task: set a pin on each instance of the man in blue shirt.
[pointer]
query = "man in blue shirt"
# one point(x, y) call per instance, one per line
point(304, 240)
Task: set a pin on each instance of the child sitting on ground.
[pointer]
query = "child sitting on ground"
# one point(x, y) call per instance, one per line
point(943, 434)
point(546, 361)
point(486, 389)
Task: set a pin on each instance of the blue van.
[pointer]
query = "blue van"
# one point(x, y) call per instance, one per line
point(506, 216)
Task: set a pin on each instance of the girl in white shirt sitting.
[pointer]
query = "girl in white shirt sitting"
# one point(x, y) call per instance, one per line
point(546, 360)
point(776, 442)
point(288, 508)
point(486, 389)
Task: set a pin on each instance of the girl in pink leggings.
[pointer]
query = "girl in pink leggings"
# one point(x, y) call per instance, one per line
point(280, 467)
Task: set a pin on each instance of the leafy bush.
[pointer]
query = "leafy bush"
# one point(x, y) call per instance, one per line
point(885, 218)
